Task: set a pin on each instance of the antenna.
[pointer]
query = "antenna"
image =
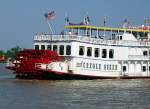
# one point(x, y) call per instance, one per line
point(67, 20)
point(105, 21)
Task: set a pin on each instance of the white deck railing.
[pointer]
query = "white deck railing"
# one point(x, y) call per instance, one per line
point(44, 37)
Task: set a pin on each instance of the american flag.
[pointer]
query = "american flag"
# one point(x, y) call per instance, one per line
point(50, 15)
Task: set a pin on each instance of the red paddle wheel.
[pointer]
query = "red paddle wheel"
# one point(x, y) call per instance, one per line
point(28, 61)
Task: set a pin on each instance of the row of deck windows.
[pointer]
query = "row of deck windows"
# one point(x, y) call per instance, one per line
point(143, 68)
point(96, 52)
point(61, 51)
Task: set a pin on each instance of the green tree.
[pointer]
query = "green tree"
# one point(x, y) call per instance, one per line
point(12, 52)
point(2, 53)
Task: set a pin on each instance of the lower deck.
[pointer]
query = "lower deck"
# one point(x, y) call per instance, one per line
point(106, 68)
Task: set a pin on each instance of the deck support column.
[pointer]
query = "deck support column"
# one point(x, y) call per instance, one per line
point(147, 69)
point(104, 34)
point(90, 33)
point(135, 71)
point(97, 33)
point(128, 66)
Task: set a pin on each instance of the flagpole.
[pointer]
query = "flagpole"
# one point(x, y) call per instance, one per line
point(49, 25)
point(50, 28)
point(49, 16)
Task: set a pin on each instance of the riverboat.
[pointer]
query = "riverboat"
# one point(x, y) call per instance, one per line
point(85, 51)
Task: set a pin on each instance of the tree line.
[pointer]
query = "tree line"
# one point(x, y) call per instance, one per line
point(10, 53)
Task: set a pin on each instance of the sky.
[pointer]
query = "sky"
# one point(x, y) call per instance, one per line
point(20, 20)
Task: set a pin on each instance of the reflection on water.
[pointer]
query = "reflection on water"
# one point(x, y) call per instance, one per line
point(74, 94)
point(5, 73)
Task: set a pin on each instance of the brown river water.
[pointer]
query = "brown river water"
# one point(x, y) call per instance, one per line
point(72, 94)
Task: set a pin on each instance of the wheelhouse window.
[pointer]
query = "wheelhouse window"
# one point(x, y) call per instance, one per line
point(96, 52)
point(89, 51)
point(55, 48)
point(68, 50)
point(42, 47)
point(104, 53)
point(49, 47)
point(81, 50)
point(61, 50)
point(36, 47)
point(111, 53)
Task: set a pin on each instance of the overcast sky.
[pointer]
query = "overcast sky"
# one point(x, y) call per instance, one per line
point(21, 19)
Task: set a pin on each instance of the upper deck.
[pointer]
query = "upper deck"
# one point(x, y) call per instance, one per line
point(142, 30)
point(99, 35)
point(85, 39)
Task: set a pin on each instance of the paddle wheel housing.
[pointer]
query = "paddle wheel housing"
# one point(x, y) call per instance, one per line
point(28, 62)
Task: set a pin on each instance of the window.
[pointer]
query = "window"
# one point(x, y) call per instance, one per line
point(36, 47)
point(68, 50)
point(120, 37)
point(149, 68)
point(61, 50)
point(49, 47)
point(124, 68)
point(145, 53)
point(89, 51)
point(81, 50)
point(55, 48)
point(96, 52)
point(144, 68)
point(42, 47)
point(104, 53)
point(111, 53)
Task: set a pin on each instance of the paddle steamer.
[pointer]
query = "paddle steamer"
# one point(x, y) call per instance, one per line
point(87, 52)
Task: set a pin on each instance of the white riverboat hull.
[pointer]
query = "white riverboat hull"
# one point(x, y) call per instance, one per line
point(68, 76)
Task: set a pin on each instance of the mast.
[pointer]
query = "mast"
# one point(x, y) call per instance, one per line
point(50, 28)
point(50, 16)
